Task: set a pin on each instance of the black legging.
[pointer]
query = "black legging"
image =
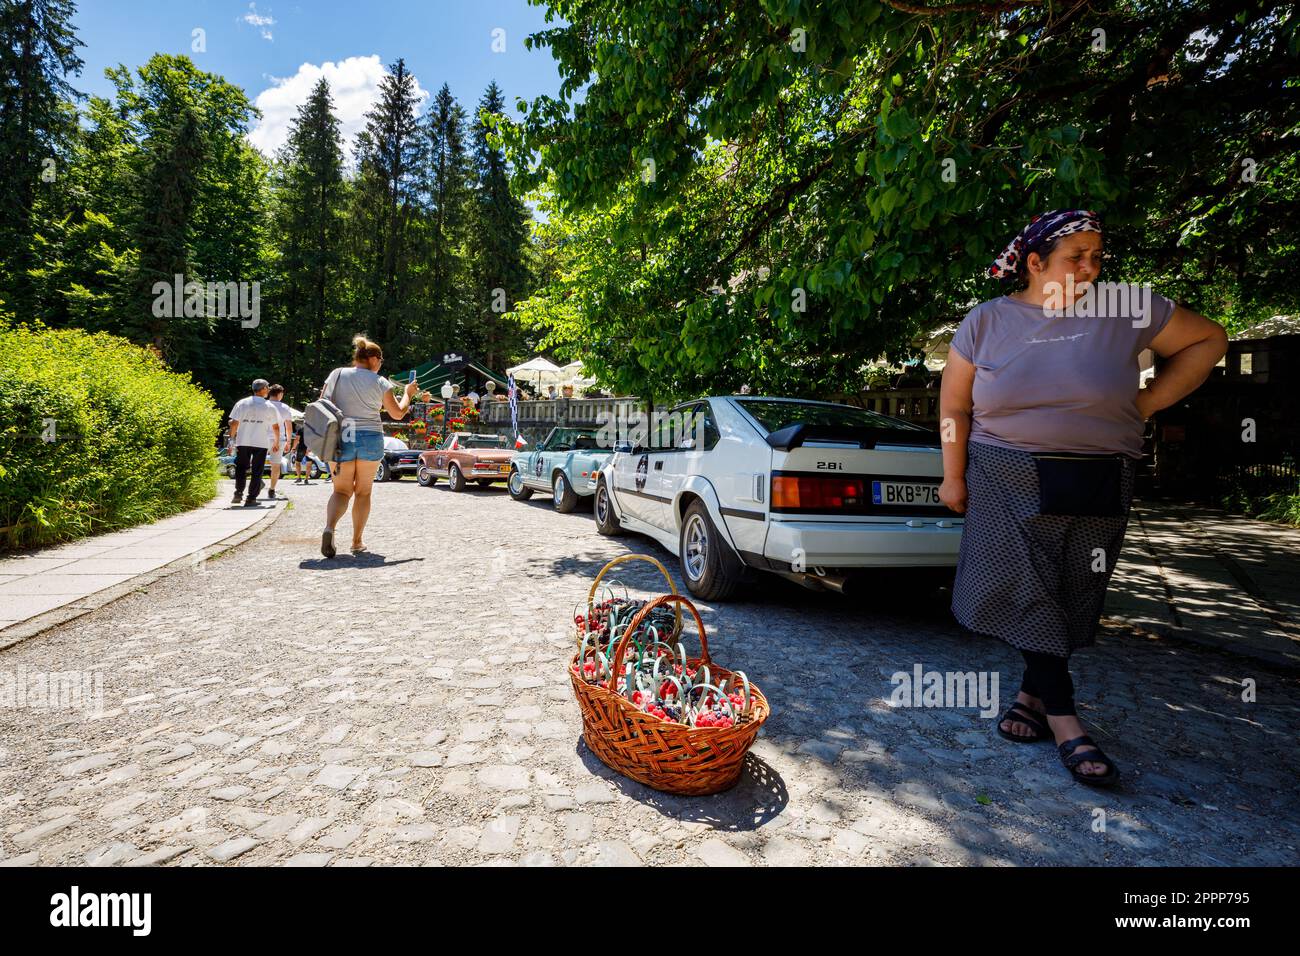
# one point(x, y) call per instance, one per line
point(1047, 677)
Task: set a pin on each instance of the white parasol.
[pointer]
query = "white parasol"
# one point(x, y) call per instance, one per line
point(540, 370)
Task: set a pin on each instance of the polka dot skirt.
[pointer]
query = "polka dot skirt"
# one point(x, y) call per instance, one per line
point(1036, 581)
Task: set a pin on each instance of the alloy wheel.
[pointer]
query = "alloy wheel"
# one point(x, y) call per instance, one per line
point(695, 556)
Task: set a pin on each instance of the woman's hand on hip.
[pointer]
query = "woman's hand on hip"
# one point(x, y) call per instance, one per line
point(953, 494)
point(1146, 404)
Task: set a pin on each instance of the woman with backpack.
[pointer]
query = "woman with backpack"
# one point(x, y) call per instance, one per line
point(360, 392)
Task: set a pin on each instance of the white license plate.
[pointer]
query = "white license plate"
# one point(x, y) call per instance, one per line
point(904, 493)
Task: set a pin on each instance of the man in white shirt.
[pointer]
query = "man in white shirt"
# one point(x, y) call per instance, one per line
point(276, 394)
point(254, 433)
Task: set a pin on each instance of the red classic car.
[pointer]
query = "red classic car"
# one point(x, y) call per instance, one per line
point(465, 457)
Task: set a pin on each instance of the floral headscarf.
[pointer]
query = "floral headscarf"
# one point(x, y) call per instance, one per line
point(1042, 229)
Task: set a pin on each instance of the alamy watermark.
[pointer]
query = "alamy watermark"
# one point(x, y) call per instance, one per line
point(922, 688)
point(1099, 299)
point(680, 429)
point(76, 908)
point(197, 300)
point(53, 690)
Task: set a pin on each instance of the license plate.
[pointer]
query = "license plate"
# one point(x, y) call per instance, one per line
point(904, 493)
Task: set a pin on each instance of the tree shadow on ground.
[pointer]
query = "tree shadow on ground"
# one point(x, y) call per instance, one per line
point(542, 501)
point(904, 591)
point(1199, 765)
point(758, 797)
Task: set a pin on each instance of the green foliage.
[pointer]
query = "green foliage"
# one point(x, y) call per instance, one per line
point(1281, 507)
point(780, 193)
point(133, 441)
point(155, 182)
point(406, 243)
point(451, 189)
point(38, 52)
point(391, 159)
point(500, 237)
point(308, 201)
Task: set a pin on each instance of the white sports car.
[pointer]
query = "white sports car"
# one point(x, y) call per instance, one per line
point(813, 491)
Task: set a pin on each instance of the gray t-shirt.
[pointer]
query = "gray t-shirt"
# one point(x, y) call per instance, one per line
point(1053, 382)
point(359, 394)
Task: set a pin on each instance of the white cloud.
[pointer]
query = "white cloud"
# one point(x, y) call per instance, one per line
point(263, 21)
point(354, 85)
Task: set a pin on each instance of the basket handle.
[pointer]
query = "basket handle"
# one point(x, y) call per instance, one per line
point(615, 670)
point(591, 595)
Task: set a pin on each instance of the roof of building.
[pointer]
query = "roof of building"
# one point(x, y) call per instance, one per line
point(1277, 325)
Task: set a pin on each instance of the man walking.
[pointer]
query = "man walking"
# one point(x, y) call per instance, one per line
point(276, 396)
point(254, 431)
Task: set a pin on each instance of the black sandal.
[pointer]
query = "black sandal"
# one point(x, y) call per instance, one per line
point(1023, 714)
point(1072, 760)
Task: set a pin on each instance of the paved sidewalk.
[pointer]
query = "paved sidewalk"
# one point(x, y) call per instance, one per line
point(1218, 579)
point(82, 575)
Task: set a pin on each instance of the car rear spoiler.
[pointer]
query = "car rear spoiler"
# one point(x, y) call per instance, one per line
point(864, 436)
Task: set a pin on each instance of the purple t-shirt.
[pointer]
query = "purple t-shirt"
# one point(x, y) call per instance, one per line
point(1051, 382)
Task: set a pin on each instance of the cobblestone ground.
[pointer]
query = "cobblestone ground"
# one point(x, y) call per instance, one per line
point(411, 706)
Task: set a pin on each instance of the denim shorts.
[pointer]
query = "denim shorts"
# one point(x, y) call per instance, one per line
point(364, 446)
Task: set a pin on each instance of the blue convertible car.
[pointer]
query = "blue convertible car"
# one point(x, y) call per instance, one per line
point(565, 465)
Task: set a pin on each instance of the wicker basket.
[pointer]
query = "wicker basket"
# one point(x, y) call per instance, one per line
point(663, 754)
point(595, 587)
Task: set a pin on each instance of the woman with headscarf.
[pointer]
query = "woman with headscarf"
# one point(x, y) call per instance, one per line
point(1042, 424)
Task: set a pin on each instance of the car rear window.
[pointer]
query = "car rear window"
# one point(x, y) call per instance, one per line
point(484, 441)
point(776, 415)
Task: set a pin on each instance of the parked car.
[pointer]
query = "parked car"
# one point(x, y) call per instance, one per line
point(565, 465)
point(466, 457)
point(814, 491)
point(315, 467)
point(398, 459)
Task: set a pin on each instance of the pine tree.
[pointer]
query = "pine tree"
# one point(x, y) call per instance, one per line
point(37, 55)
point(310, 221)
point(169, 189)
point(450, 190)
point(500, 238)
point(390, 153)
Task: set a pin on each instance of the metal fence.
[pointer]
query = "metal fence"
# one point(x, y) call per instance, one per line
point(1239, 433)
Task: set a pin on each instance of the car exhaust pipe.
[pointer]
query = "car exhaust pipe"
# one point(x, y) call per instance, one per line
point(820, 580)
point(831, 582)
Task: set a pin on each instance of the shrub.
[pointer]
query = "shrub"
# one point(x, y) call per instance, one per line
point(132, 441)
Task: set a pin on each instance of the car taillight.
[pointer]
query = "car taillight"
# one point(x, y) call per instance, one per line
point(815, 493)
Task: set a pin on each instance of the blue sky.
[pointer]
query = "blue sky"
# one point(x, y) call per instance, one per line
point(276, 49)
